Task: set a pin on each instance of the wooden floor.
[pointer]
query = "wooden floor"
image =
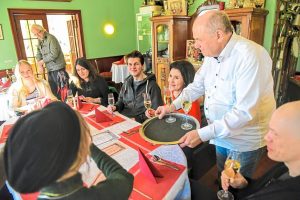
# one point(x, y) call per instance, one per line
point(209, 179)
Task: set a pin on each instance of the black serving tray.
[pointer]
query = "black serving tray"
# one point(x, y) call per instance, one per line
point(157, 131)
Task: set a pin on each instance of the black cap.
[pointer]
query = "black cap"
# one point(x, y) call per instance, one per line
point(41, 147)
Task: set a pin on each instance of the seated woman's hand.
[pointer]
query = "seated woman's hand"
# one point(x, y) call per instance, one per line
point(229, 178)
point(91, 100)
point(150, 113)
point(111, 109)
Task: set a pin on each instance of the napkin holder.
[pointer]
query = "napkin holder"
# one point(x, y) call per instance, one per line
point(101, 117)
point(147, 168)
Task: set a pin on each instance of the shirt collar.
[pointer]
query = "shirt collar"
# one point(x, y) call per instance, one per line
point(229, 47)
point(45, 35)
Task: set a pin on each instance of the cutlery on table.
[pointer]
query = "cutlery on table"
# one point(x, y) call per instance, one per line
point(160, 161)
point(129, 133)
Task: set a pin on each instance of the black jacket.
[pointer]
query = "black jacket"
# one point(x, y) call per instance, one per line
point(117, 186)
point(94, 89)
point(131, 102)
point(268, 187)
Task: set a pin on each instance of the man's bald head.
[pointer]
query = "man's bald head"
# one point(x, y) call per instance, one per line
point(288, 116)
point(211, 32)
point(214, 20)
point(283, 138)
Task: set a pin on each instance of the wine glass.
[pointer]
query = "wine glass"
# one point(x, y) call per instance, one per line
point(147, 100)
point(70, 98)
point(111, 100)
point(231, 167)
point(168, 102)
point(186, 104)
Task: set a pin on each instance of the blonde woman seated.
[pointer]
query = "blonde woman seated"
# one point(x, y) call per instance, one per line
point(27, 87)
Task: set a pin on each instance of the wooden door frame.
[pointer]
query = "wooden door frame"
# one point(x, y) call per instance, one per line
point(18, 36)
point(12, 12)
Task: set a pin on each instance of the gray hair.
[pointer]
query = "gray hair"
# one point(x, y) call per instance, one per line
point(37, 27)
point(219, 20)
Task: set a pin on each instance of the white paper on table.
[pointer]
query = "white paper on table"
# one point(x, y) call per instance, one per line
point(91, 174)
point(104, 137)
point(127, 157)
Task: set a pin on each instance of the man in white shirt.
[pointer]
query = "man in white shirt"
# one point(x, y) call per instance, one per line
point(237, 83)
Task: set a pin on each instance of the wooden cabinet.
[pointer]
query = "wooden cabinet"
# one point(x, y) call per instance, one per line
point(249, 22)
point(169, 35)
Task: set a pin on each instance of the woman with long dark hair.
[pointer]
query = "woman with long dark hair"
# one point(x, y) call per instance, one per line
point(89, 84)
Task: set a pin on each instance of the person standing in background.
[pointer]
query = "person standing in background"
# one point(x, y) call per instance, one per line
point(49, 53)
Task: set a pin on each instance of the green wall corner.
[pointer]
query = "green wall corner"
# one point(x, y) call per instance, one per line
point(94, 13)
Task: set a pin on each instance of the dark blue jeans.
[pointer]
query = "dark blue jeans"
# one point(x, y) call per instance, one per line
point(248, 160)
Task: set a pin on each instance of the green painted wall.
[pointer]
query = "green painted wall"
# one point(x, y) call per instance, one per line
point(94, 13)
point(270, 5)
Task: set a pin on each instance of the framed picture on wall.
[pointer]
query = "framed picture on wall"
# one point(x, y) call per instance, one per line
point(1, 33)
point(192, 54)
point(177, 7)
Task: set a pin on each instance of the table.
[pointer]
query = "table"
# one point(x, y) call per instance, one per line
point(104, 137)
point(119, 72)
point(5, 113)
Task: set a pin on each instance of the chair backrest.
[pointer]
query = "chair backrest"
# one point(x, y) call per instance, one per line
point(113, 90)
point(104, 64)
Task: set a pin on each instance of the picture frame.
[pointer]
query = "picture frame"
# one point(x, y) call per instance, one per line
point(192, 54)
point(1, 33)
point(177, 7)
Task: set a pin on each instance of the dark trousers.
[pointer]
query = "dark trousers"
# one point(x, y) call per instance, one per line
point(58, 80)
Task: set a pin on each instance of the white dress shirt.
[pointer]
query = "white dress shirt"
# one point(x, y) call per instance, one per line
point(239, 98)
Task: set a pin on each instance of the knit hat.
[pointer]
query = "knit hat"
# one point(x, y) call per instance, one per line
point(41, 147)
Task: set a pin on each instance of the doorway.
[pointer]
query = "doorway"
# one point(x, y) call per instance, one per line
point(65, 25)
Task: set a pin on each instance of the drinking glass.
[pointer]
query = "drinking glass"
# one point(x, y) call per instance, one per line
point(168, 102)
point(70, 98)
point(147, 100)
point(232, 163)
point(111, 100)
point(186, 104)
